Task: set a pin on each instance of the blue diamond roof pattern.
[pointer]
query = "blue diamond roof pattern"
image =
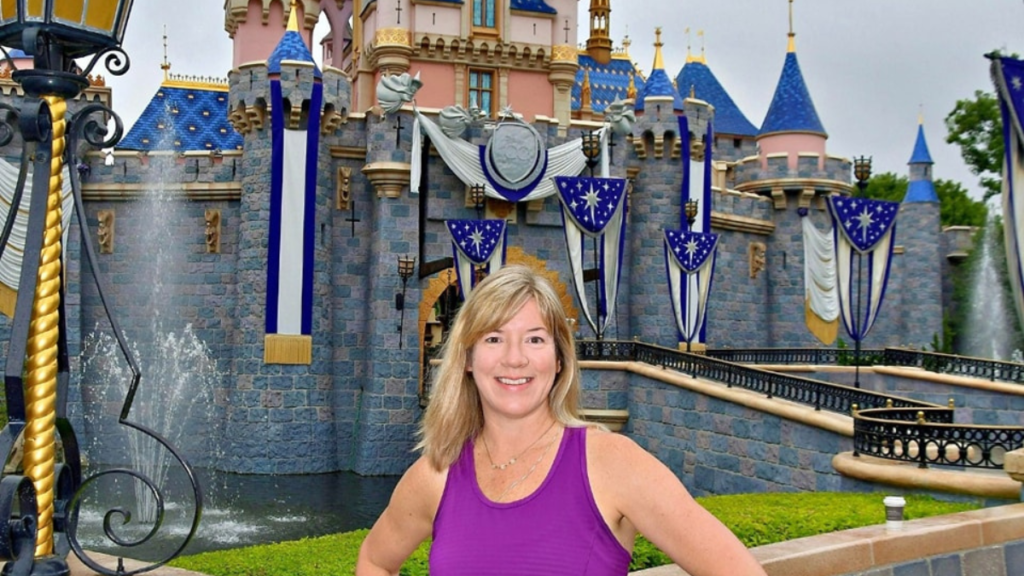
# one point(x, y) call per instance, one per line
point(920, 155)
point(291, 47)
point(729, 119)
point(921, 191)
point(659, 84)
point(184, 119)
point(792, 109)
point(533, 6)
point(608, 82)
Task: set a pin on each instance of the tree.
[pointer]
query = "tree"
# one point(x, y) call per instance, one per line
point(956, 207)
point(976, 126)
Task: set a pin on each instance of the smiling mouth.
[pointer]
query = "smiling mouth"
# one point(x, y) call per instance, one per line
point(514, 381)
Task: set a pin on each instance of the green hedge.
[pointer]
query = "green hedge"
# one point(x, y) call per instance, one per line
point(757, 519)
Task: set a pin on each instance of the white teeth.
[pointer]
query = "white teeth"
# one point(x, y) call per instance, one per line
point(515, 382)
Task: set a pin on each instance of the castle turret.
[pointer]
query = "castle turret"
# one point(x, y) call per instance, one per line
point(256, 27)
point(658, 92)
point(792, 126)
point(921, 188)
point(599, 44)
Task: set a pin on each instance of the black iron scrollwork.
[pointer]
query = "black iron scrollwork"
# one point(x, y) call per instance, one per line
point(115, 60)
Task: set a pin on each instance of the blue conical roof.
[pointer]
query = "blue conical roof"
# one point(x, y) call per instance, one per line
point(920, 155)
point(729, 119)
point(292, 47)
point(659, 84)
point(608, 82)
point(184, 116)
point(792, 109)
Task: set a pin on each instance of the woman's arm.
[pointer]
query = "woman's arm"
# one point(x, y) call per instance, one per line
point(653, 500)
point(405, 523)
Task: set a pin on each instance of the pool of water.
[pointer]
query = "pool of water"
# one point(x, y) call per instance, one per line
point(238, 510)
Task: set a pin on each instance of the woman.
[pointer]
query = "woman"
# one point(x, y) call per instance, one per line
point(511, 481)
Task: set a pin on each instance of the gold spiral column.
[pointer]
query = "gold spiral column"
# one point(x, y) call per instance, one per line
point(41, 368)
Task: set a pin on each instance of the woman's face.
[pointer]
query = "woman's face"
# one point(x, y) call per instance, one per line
point(514, 366)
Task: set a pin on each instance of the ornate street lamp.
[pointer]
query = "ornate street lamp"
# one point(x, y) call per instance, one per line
point(406, 266)
point(477, 194)
point(55, 33)
point(690, 209)
point(862, 172)
point(591, 149)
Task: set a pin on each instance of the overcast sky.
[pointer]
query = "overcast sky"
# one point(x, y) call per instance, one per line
point(871, 65)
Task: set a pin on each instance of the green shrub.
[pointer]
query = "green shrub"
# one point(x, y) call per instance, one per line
point(757, 519)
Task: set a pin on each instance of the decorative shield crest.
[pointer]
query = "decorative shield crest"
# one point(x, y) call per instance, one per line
point(515, 156)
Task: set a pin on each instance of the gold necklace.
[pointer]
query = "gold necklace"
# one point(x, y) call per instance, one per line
point(518, 456)
point(530, 471)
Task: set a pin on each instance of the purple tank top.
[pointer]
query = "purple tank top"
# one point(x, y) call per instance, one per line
point(555, 531)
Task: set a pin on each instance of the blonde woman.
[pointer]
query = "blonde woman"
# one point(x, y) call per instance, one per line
point(511, 481)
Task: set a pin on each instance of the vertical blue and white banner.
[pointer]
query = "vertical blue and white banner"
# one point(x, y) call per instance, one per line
point(696, 186)
point(476, 243)
point(594, 208)
point(292, 218)
point(1008, 75)
point(690, 265)
point(863, 233)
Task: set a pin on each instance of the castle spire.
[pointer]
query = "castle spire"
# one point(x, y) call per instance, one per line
point(792, 35)
point(659, 60)
point(921, 187)
point(293, 17)
point(166, 66)
point(599, 44)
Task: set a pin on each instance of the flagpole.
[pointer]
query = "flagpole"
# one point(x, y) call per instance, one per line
point(861, 171)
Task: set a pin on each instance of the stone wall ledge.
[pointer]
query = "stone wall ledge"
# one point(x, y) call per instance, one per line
point(987, 483)
point(876, 547)
point(951, 379)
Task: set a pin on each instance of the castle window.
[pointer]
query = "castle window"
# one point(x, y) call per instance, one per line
point(481, 90)
point(485, 13)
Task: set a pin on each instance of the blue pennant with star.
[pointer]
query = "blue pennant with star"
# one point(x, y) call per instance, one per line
point(477, 239)
point(863, 221)
point(591, 202)
point(690, 249)
point(1008, 76)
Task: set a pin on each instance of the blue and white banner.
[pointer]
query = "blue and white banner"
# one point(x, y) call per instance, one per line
point(1008, 75)
point(862, 229)
point(292, 218)
point(594, 208)
point(696, 186)
point(476, 244)
point(690, 265)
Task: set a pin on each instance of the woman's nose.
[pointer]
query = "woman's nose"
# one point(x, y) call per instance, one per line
point(514, 355)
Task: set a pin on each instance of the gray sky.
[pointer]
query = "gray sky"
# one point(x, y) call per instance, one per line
point(871, 65)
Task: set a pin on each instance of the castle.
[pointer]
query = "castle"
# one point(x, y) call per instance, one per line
point(343, 390)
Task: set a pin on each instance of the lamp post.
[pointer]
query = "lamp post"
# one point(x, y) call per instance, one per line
point(477, 194)
point(406, 265)
point(862, 172)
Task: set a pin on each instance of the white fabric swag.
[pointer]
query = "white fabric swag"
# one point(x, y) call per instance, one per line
point(820, 272)
point(10, 264)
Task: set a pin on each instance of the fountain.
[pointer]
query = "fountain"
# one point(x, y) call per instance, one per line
point(990, 321)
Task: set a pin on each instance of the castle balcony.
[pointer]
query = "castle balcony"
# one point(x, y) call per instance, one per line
point(763, 175)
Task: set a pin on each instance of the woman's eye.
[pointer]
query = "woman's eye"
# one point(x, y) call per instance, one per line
point(536, 340)
point(492, 339)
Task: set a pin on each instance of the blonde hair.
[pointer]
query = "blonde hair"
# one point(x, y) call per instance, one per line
point(454, 414)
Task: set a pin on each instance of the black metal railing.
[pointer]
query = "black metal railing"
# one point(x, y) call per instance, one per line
point(959, 365)
point(885, 426)
point(913, 436)
point(931, 361)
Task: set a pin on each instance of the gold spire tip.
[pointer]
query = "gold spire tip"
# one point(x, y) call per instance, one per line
point(659, 61)
point(293, 17)
point(792, 35)
point(166, 66)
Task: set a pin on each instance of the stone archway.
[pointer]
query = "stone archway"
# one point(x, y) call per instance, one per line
point(445, 280)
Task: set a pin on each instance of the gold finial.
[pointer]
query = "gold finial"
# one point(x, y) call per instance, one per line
point(659, 61)
point(585, 101)
point(293, 17)
point(631, 89)
point(689, 54)
point(626, 43)
point(693, 91)
point(703, 58)
point(920, 114)
point(166, 66)
point(792, 34)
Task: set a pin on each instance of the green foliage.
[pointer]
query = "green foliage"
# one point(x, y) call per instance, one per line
point(757, 519)
point(975, 125)
point(956, 207)
point(848, 356)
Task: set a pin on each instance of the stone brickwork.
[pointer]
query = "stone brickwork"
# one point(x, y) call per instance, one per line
point(921, 276)
point(717, 447)
point(1002, 560)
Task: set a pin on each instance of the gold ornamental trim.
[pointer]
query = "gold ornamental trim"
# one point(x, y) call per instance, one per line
point(393, 37)
point(565, 53)
point(287, 349)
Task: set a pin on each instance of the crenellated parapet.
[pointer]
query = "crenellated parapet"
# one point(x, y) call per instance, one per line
point(484, 52)
point(763, 175)
point(238, 11)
